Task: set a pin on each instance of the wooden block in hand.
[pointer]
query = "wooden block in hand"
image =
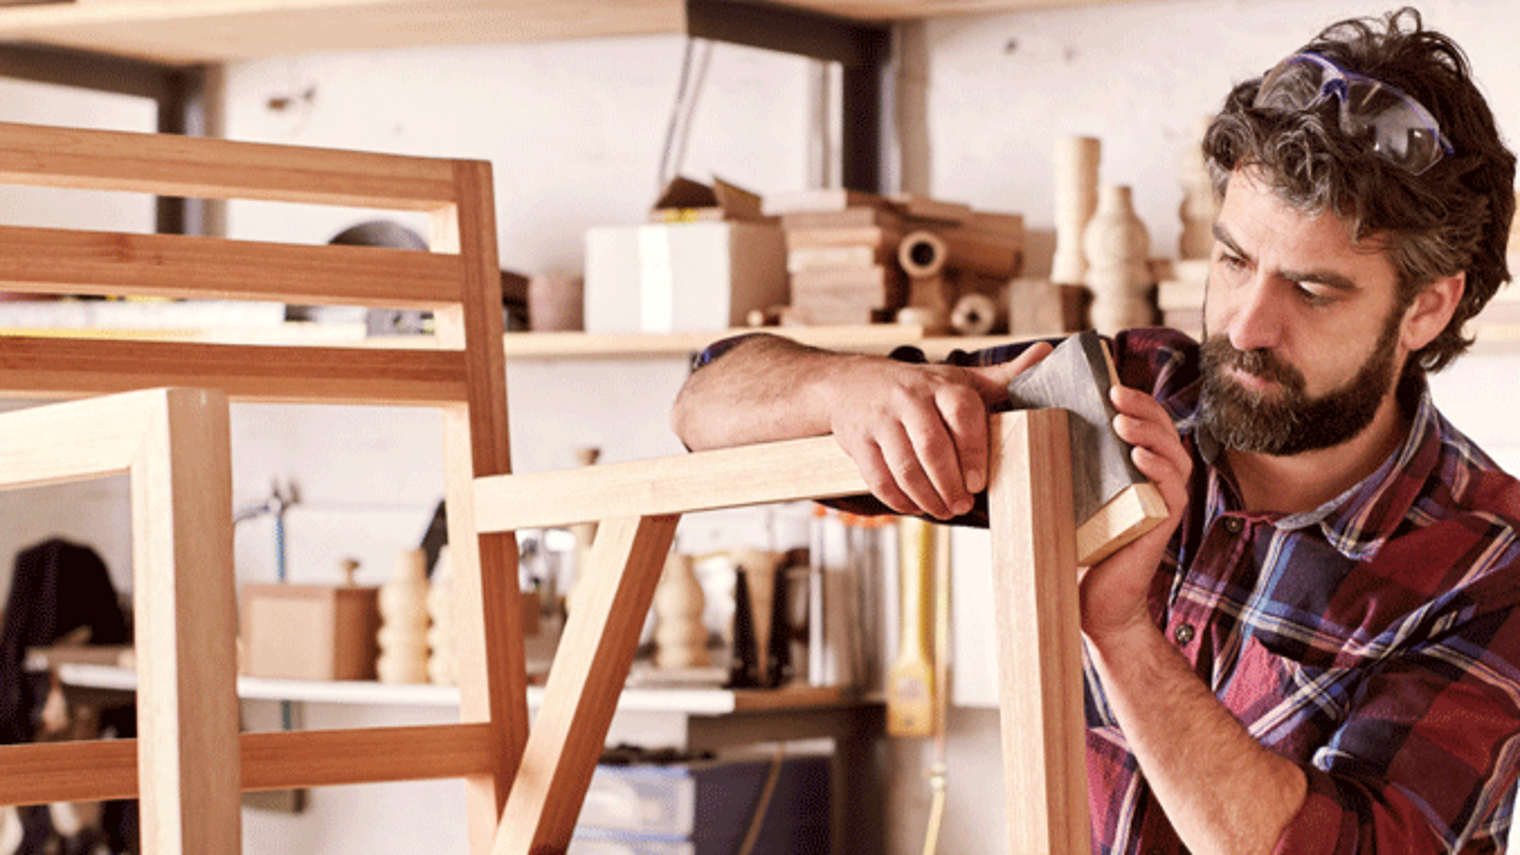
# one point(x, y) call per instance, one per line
point(1113, 502)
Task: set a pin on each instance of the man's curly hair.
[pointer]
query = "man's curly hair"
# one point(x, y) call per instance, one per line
point(1453, 217)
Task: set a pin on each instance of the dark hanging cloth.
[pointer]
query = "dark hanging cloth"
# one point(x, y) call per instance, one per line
point(56, 588)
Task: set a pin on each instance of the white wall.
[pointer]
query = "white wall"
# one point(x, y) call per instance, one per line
point(575, 130)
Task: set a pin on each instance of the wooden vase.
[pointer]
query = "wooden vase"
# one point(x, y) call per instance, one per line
point(404, 622)
point(1076, 198)
point(1117, 246)
point(680, 637)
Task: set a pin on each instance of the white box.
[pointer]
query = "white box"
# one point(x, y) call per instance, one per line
point(682, 277)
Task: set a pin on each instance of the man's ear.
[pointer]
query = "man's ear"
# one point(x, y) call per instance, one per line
point(1431, 311)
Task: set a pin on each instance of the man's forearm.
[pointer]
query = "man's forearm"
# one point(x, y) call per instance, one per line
point(1222, 791)
point(763, 389)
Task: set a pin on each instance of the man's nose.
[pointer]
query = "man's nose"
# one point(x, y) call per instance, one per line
point(1255, 321)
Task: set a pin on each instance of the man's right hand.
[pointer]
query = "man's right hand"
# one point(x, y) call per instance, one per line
point(918, 433)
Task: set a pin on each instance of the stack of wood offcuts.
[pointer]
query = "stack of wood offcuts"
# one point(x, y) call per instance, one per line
point(860, 258)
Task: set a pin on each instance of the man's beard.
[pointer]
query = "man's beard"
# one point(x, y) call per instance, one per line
point(1288, 421)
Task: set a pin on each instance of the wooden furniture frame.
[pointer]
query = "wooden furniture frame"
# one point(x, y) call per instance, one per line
point(638, 505)
point(172, 445)
point(524, 790)
point(464, 376)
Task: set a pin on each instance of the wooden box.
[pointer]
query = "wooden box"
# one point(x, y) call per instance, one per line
point(311, 632)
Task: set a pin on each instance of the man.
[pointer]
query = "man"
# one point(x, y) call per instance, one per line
point(1319, 651)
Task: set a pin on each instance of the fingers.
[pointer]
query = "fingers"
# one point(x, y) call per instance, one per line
point(993, 380)
point(917, 461)
point(920, 439)
point(1158, 451)
point(964, 473)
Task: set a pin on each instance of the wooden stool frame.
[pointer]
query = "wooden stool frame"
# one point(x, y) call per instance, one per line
point(639, 503)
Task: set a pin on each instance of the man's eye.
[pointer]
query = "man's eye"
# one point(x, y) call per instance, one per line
point(1314, 294)
point(1232, 262)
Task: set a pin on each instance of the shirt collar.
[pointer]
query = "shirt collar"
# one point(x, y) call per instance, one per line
point(1360, 520)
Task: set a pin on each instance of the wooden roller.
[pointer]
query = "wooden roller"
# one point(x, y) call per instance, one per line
point(922, 255)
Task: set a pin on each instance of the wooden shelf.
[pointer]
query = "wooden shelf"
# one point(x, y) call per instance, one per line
point(685, 700)
point(876, 338)
point(188, 32)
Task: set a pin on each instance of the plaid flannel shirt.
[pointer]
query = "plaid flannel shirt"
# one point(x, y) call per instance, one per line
point(1375, 641)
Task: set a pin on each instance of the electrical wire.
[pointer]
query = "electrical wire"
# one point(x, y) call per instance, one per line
point(676, 110)
point(757, 818)
point(677, 130)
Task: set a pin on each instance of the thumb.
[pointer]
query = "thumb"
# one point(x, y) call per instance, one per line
point(992, 380)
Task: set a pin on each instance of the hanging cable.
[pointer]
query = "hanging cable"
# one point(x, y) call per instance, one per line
point(678, 129)
point(693, 93)
point(676, 111)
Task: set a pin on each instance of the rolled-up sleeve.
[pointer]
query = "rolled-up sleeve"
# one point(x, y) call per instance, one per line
point(1427, 759)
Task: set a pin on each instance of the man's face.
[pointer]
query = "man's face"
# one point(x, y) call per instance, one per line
point(1301, 328)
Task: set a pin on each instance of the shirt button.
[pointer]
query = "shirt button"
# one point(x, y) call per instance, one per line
point(1233, 525)
point(1184, 633)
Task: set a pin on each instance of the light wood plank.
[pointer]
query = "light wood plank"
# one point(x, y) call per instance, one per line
point(65, 367)
point(186, 32)
point(708, 480)
point(200, 167)
point(63, 261)
point(590, 667)
point(71, 441)
point(1135, 511)
point(97, 770)
point(174, 443)
point(184, 602)
point(1039, 643)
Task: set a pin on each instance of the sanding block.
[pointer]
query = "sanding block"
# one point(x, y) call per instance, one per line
point(1112, 502)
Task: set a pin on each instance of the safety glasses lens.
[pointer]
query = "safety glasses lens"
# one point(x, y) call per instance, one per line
point(1400, 129)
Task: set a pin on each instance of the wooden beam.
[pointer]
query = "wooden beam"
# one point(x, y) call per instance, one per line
point(63, 367)
point(590, 667)
point(815, 468)
point(706, 480)
point(49, 261)
point(1034, 566)
point(171, 165)
point(39, 773)
point(184, 601)
point(489, 644)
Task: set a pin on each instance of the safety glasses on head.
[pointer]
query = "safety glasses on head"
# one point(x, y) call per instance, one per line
point(1399, 128)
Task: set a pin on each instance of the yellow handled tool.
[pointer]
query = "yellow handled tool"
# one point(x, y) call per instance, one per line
point(911, 690)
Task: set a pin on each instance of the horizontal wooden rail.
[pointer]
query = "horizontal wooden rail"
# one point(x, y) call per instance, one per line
point(75, 440)
point(101, 263)
point(787, 471)
point(107, 769)
point(814, 468)
point(66, 367)
point(169, 165)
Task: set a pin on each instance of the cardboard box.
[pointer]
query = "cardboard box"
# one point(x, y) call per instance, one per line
point(708, 258)
point(682, 277)
point(311, 632)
